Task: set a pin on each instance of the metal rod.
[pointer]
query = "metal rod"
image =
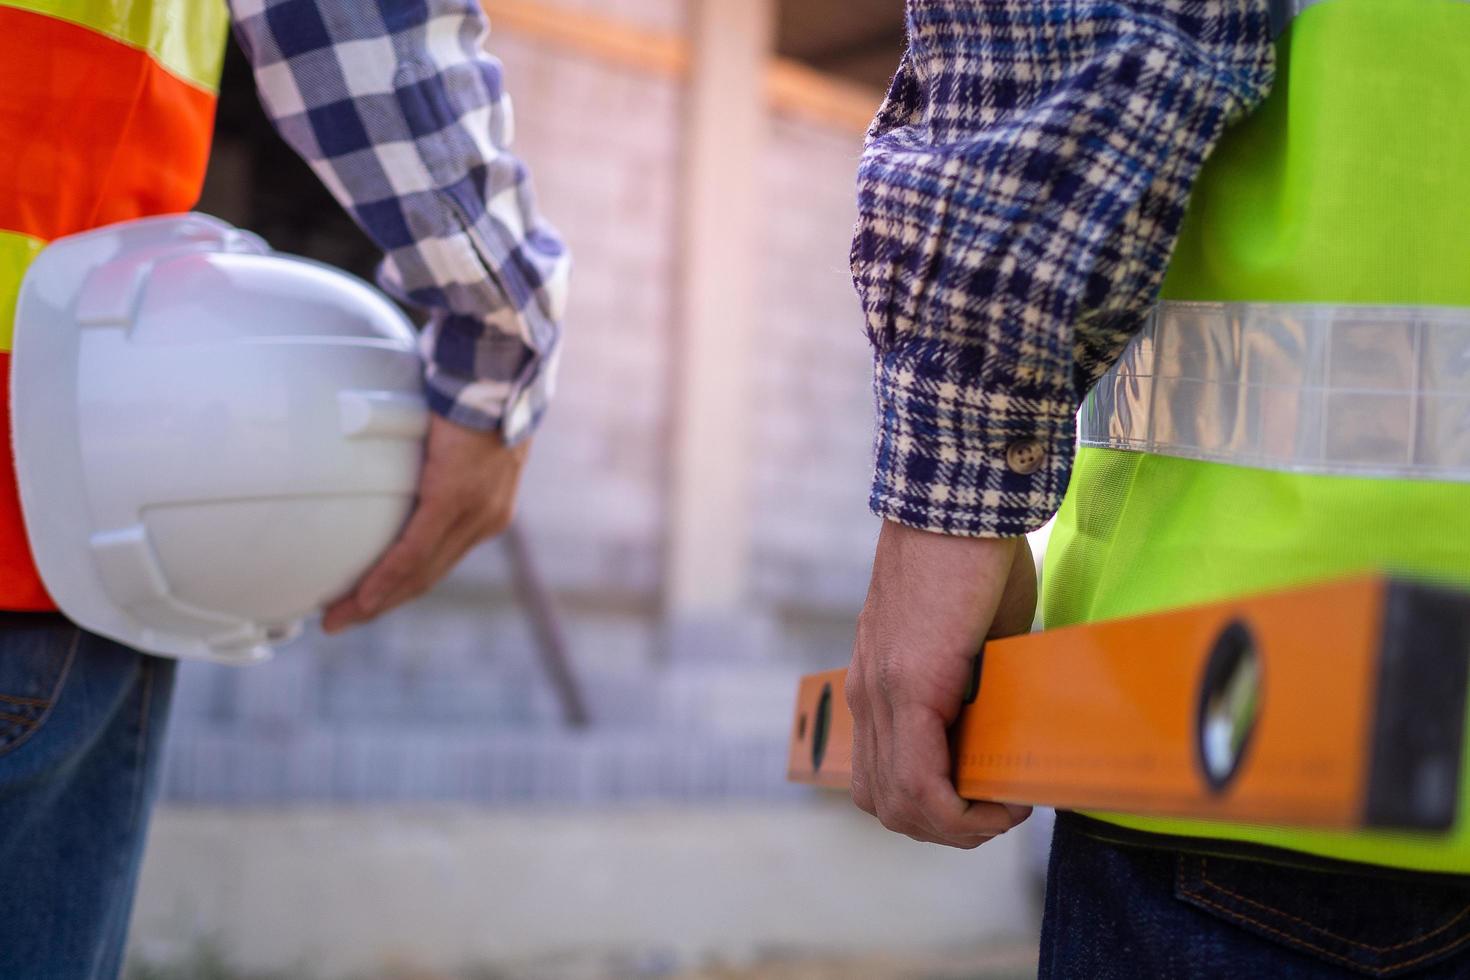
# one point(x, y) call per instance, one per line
point(546, 626)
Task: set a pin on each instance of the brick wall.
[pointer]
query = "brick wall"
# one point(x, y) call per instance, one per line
point(604, 144)
point(813, 396)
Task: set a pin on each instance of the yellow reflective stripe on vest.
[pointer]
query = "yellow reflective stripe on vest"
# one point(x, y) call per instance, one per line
point(16, 254)
point(184, 36)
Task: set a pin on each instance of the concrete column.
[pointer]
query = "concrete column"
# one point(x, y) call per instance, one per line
point(708, 550)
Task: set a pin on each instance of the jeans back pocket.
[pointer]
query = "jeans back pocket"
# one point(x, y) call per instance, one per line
point(36, 654)
point(1375, 925)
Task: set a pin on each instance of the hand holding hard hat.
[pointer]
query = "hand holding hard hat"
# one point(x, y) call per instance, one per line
point(213, 441)
point(467, 493)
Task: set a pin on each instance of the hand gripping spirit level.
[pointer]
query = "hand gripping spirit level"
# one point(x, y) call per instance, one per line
point(1336, 706)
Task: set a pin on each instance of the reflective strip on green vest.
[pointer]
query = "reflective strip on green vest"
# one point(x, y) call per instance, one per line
point(1350, 185)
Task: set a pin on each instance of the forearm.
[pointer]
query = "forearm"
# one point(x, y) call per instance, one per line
point(1019, 198)
point(401, 113)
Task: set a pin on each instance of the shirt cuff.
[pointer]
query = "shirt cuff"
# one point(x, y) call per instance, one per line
point(483, 379)
point(956, 457)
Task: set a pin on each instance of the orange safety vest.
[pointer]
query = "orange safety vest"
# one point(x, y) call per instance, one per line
point(106, 114)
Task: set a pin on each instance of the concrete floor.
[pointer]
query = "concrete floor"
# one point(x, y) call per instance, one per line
point(801, 891)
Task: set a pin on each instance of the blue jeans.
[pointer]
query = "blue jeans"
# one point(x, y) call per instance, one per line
point(1122, 910)
point(81, 729)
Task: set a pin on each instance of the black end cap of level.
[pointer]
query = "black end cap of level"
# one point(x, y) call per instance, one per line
point(1419, 724)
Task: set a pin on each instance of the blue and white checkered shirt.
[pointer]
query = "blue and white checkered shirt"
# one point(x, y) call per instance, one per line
point(1019, 199)
point(403, 116)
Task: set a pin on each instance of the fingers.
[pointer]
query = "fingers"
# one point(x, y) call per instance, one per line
point(431, 544)
point(906, 784)
point(932, 602)
point(861, 786)
point(466, 494)
point(408, 555)
point(408, 560)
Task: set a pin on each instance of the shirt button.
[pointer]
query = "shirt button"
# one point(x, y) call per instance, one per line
point(1025, 456)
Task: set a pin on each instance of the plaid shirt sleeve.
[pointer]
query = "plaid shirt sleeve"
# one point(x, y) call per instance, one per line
point(402, 115)
point(1020, 195)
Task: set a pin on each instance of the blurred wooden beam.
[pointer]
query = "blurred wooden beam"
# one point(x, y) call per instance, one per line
point(792, 87)
point(799, 90)
point(604, 38)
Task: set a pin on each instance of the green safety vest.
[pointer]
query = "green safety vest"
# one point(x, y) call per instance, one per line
point(1350, 185)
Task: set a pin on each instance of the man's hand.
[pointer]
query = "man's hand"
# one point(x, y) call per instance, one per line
point(933, 600)
point(467, 493)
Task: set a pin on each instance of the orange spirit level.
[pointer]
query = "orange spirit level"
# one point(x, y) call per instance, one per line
point(1337, 706)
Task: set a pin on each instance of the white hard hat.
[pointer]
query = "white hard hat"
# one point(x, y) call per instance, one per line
point(211, 440)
